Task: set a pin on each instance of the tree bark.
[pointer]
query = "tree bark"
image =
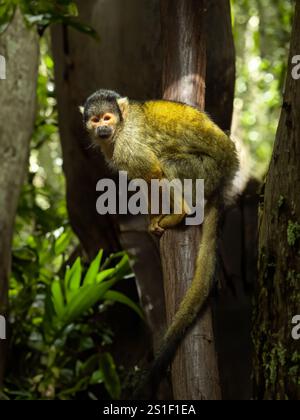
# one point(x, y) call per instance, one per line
point(236, 272)
point(127, 58)
point(20, 48)
point(194, 370)
point(220, 56)
point(276, 364)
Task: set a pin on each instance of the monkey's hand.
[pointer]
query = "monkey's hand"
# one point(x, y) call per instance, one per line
point(159, 224)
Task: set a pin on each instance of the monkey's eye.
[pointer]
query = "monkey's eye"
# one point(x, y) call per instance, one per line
point(95, 119)
point(107, 117)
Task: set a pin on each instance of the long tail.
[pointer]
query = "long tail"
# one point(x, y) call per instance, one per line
point(192, 303)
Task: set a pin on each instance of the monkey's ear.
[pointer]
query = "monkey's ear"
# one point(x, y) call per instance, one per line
point(81, 110)
point(124, 106)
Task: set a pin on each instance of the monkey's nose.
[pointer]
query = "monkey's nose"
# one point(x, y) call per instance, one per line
point(104, 132)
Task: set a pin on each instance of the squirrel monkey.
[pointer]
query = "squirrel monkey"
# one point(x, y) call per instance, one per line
point(168, 140)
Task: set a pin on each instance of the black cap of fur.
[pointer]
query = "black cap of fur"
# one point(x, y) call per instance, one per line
point(101, 101)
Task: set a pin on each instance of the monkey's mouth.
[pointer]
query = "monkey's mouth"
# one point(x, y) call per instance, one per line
point(104, 133)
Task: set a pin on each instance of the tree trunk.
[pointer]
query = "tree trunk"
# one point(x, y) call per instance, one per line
point(220, 56)
point(20, 48)
point(236, 271)
point(276, 364)
point(194, 370)
point(126, 59)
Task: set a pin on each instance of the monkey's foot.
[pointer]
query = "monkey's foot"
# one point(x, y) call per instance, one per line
point(156, 229)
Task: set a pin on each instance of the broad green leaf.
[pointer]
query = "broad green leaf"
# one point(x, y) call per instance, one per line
point(110, 376)
point(92, 272)
point(73, 279)
point(105, 275)
point(84, 299)
point(67, 277)
point(57, 298)
point(121, 298)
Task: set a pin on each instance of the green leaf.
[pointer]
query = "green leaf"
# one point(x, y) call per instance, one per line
point(62, 243)
point(92, 272)
point(73, 9)
point(67, 277)
point(112, 258)
point(57, 298)
point(123, 267)
point(121, 298)
point(25, 254)
point(84, 299)
point(105, 275)
point(49, 313)
point(81, 385)
point(86, 343)
point(121, 270)
point(33, 19)
point(110, 376)
point(89, 365)
point(73, 279)
point(97, 377)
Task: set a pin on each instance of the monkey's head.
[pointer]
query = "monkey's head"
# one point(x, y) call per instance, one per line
point(103, 113)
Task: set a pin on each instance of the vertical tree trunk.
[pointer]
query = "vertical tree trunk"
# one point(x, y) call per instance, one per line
point(276, 364)
point(20, 48)
point(220, 55)
point(194, 370)
point(238, 238)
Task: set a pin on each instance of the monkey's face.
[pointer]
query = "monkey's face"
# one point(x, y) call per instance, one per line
point(102, 126)
point(103, 114)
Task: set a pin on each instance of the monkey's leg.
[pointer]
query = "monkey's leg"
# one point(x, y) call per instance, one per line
point(154, 226)
point(154, 218)
point(159, 224)
point(171, 220)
